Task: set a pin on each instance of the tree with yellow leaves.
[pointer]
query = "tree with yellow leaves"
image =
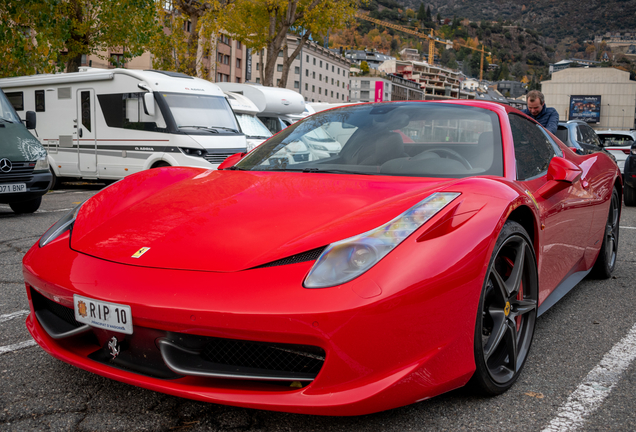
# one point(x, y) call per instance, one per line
point(52, 35)
point(266, 23)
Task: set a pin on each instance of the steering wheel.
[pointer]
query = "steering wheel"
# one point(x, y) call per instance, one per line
point(450, 153)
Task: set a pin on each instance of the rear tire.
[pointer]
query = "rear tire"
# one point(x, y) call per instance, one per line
point(507, 313)
point(629, 195)
point(160, 164)
point(606, 260)
point(26, 206)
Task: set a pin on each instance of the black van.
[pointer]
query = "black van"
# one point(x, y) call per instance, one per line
point(24, 168)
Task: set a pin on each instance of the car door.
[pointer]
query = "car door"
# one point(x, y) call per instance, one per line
point(565, 215)
point(86, 135)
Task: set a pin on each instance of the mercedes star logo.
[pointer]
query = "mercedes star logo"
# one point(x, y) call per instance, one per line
point(5, 165)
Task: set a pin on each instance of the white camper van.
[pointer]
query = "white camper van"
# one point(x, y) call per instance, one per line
point(275, 105)
point(108, 123)
point(253, 128)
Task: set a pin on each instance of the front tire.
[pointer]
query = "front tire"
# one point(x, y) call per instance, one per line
point(507, 312)
point(606, 260)
point(26, 206)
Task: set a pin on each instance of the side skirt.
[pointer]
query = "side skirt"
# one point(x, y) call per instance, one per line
point(564, 287)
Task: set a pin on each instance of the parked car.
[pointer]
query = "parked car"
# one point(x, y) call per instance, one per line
point(629, 177)
point(618, 143)
point(580, 137)
point(24, 169)
point(385, 274)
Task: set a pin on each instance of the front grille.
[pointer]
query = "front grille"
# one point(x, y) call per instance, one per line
point(42, 303)
point(20, 172)
point(301, 157)
point(274, 357)
point(240, 359)
point(310, 255)
point(217, 158)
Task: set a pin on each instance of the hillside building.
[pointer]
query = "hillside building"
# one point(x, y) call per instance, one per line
point(387, 88)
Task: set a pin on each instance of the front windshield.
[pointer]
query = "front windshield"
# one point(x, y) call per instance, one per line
point(423, 139)
point(252, 126)
point(201, 113)
point(7, 112)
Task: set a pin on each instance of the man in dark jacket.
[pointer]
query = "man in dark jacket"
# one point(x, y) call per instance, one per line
point(548, 117)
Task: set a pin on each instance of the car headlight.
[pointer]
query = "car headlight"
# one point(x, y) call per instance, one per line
point(60, 226)
point(193, 151)
point(42, 164)
point(319, 147)
point(347, 259)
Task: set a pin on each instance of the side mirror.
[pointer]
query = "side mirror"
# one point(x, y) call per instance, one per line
point(561, 174)
point(231, 160)
point(633, 148)
point(149, 104)
point(30, 120)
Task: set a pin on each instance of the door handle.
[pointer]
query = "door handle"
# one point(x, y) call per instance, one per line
point(79, 132)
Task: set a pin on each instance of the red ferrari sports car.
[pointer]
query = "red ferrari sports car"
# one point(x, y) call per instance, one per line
point(338, 282)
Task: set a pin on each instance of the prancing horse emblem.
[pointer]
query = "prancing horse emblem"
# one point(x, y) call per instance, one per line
point(112, 346)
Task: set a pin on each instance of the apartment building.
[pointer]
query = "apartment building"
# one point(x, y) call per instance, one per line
point(384, 88)
point(319, 74)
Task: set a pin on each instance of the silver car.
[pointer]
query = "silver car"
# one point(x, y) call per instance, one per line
point(618, 143)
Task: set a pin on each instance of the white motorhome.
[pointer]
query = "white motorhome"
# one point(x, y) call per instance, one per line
point(108, 123)
point(253, 128)
point(276, 106)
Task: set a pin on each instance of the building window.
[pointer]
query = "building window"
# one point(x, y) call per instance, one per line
point(331, 93)
point(314, 61)
point(306, 86)
point(296, 84)
point(327, 66)
point(117, 60)
point(327, 80)
point(279, 68)
point(219, 57)
point(306, 72)
point(257, 66)
point(280, 53)
point(337, 95)
point(313, 88)
point(343, 97)
point(223, 38)
point(258, 80)
point(332, 68)
point(320, 77)
point(277, 82)
point(319, 90)
point(187, 26)
point(238, 63)
point(364, 94)
point(338, 71)
point(313, 75)
point(238, 44)
point(297, 70)
point(307, 58)
point(331, 81)
point(238, 80)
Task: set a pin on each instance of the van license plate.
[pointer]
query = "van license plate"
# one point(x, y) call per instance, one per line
point(104, 315)
point(13, 188)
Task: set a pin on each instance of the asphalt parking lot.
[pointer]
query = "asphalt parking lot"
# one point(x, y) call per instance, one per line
point(580, 374)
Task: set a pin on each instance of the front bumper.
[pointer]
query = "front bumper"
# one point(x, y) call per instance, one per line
point(37, 184)
point(387, 339)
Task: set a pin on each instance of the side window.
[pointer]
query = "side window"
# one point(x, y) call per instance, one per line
point(39, 101)
point(592, 137)
point(16, 99)
point(533, 150)
point(125, 110)
point(85, 97)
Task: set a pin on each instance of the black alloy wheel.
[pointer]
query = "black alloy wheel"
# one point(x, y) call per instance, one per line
point(606, 260)
point(507, 312)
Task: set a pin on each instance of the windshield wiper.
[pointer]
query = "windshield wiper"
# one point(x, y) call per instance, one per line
point(210, 128)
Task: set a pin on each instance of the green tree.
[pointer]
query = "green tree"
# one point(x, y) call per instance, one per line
point(364, 67)
point(266, 23)
point(50, 35)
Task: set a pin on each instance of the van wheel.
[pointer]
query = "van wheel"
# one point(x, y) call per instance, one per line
point(26, 206)
point(56, 182)
point(160, 164)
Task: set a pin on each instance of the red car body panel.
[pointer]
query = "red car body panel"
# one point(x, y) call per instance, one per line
point(400, 333)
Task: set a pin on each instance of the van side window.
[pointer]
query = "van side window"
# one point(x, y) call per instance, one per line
point(39, 101)
point(126, 111)
point(17, 100)
point(85, 97)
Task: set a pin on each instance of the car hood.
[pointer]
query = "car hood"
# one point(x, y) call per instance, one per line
point(226, 221)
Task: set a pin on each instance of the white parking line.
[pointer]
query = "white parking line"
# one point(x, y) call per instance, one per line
point(597, 386)
point(627, 227)
point(18, 346)
point(9, 317)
